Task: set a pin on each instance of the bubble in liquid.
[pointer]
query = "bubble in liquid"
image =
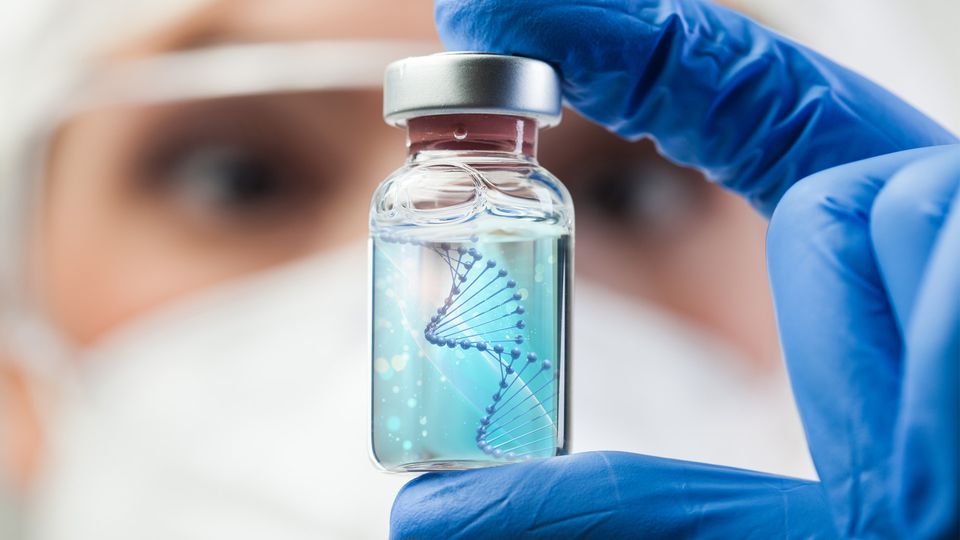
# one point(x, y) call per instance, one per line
point(393, 423)
point(460, 133)
point(411, 403)
point(399, 361)
point(407, 445)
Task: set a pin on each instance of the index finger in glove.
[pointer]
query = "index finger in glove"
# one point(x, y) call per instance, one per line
point(715, 90)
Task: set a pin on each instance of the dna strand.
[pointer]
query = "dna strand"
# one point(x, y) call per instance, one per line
point(482, 312)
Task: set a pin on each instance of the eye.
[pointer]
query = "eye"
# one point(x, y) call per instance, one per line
point(226, 179)
point(609, 190)
point(230, 182)
point(642, 194)
point(231, 163)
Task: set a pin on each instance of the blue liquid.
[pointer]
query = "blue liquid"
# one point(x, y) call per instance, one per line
point(468, 350)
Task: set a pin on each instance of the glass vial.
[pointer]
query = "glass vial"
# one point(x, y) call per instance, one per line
point(471, 249)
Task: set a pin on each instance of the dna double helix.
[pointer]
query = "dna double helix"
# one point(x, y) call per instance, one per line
point(482, 312)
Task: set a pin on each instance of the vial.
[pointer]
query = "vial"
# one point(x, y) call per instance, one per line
point(471, 250)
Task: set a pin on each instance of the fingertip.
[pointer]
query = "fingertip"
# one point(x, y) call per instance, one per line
point(467, 26)
point(905, 222)
point(802, 209)
point(411, 508)
point(438, 505)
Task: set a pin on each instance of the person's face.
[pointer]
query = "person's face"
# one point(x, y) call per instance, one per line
point(143, 205)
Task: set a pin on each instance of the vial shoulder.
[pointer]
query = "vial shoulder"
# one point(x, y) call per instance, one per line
point(485, 190)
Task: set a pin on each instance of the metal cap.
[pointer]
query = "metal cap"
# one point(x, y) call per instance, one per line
point(469, 82)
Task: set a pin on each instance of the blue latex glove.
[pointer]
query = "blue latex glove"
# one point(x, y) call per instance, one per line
point(864, 259)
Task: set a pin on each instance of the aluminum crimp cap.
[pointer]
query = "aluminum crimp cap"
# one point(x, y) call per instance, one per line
point(470, 82)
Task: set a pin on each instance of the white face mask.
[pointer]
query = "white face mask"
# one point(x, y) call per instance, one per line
point(648, 382)
point(238, 413)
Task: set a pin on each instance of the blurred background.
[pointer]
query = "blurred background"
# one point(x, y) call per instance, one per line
point(183, 209)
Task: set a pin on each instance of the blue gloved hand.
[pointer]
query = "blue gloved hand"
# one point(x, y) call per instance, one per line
point(864, 258)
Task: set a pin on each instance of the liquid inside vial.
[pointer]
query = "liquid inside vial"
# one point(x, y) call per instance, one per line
point(468, 347)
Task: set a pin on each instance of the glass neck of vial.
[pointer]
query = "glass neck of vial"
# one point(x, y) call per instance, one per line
point(487, 133)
